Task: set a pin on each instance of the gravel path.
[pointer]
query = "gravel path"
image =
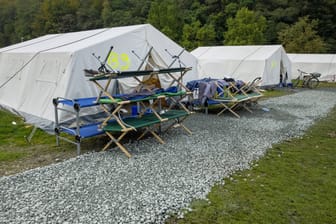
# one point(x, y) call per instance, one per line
point(159, 179)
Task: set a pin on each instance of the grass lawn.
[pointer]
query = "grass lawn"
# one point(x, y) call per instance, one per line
point(295, 182)
point(277, 92)
point(17, 154)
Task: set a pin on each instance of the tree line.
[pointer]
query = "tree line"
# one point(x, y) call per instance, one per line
point(301, 26)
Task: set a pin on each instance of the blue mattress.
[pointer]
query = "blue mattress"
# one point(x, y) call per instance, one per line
point(85, 131)
point(82, 102)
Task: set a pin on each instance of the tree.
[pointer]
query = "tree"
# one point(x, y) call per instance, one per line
point(139, 11)
point(25, 19)
point(166, 16)
point(189, 35)
point(324, 12)
point(206, 35)
point(195, 35)
point(25, 9)
point(279, 14)
point(7, 18)
point(247, 28)
point(106, 13)
point(56, 16)
point(89, 14)
point(302, 37)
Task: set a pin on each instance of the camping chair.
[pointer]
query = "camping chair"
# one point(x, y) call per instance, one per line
point(229, 98)
point(252, 90)
point(248, 94)
point(213, 92)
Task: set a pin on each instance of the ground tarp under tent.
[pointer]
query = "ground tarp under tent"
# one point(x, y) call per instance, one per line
point(34, 72)
point(321, 63)
point(244, 63)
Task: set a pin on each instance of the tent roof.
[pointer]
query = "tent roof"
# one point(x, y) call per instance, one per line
point(236, 52)
point(70, 42)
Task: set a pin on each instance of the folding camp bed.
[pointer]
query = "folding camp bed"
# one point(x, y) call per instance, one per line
point(232, 97)
point(147, 121)
point(228, 94)
point(158, 115)
point(79, 130)
point(252, 91)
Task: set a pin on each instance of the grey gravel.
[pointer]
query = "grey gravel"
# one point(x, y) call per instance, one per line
point(158, 180)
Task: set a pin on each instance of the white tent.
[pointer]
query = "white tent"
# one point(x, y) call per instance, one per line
point(244, 62)
point(34, 72)
point(321, 63)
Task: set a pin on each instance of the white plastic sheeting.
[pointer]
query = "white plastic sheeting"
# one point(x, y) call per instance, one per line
point(244, 62)
point(321, 63)
point(34, 72)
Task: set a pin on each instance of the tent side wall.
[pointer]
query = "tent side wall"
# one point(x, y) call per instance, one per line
point(277, 65)
point(243, 62)
point(13, 78)
point(42, 76)
point(218, 69)
point(216, 62)
point(322, 63)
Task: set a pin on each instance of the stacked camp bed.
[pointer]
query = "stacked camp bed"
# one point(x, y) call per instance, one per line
point(78, 130)
point(154, 108)
point(228, 94)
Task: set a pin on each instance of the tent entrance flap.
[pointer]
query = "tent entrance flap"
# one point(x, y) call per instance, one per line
point(154, 61)
point(148, 63)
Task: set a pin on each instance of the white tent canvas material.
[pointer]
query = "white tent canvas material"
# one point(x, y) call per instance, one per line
point(321, 63)
point(34, 72)
point(244, 63)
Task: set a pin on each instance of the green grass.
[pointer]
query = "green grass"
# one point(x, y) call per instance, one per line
point(10, 156)
point(295, 182)
point(324, 84)
point(13, 131)
point(17, 154)
point(276, 93)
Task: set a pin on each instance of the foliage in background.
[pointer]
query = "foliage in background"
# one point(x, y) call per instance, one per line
point(190, 22)
point(246, 28)
point(302, 37)
point(56, 16)
point(166, 16)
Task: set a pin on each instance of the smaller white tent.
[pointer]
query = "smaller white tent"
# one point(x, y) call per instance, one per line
point(321, 63)
point(244, 63)
point(34, 72)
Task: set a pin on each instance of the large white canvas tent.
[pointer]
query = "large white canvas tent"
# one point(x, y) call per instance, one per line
point(321, 63)
point(244, 63)
point(34, 72)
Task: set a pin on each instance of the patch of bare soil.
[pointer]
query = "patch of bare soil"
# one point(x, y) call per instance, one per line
point(42, 155)
point(34, 156)
point(332, 134)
